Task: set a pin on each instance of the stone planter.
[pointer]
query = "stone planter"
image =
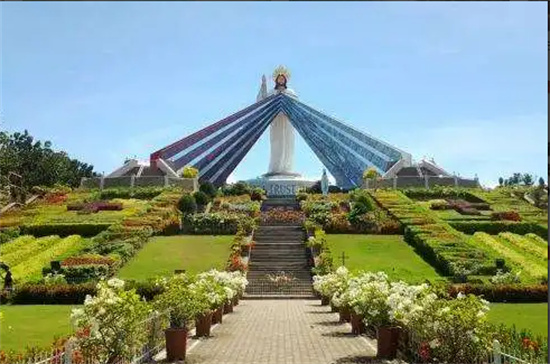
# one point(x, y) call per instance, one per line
point(345, 314)
point(176, 343)
point(217, 316)
point(325, 301)
point(357, 325)
point(228, 307)
point(203, 323)
point(388, 340)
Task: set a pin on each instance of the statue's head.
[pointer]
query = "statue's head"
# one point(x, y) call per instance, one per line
point(281, 75)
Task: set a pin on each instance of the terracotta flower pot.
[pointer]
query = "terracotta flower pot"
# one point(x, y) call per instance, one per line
point(345, 314)
point(388, 340)
point(203, 323)
point(324, 301)
point(176, 343)
point(217, 317)
point(357, 325)
point(228, 307)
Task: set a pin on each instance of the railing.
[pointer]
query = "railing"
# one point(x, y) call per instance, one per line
point(70, 353)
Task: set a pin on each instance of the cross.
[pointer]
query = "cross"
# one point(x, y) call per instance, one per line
point(344, 256)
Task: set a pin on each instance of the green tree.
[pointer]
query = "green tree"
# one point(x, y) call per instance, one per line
point(37, 163)
point(527, 179)
point(500, 181)
point(541, 182)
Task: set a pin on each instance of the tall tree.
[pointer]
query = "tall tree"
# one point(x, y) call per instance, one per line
point(37, 163)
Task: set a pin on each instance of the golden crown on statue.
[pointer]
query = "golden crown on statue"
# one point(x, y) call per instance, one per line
point(281, 70)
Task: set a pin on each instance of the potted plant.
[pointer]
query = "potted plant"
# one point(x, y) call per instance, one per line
point(209, 295)
point(180, 301)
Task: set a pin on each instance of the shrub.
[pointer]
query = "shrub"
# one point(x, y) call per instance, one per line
point(61, 294)
point(236, 189)
point(82, 229)
point(439, 204)
point(495, 227)
point(215, 223)
point(441, 192)
point(187, 204)
point(8, 234)
point(86, 272)
point(208, 188)
point(503, 292)
point(257, 194)
point(190, 172)
point(201, 198)
point(370, 173)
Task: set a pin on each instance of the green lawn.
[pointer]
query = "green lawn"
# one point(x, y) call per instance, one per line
point(163, 254)
point(33, 325)
point(388, 253)
point(532, 316)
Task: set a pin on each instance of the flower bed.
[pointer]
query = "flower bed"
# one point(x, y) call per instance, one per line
point(283, 216)
point(216, 223)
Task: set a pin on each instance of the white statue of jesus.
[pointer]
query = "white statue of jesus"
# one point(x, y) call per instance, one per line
point(281, 130)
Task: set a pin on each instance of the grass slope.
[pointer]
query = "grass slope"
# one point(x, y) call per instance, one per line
point(388, 253)
point(531, 316)
point(163, 254)
point(33, 325)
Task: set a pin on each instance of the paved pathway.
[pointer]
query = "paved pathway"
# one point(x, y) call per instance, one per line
point(281, 332)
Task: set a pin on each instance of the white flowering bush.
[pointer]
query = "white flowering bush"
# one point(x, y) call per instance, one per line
point(108, 326)
point(506, 277)
point(179, 300)
point(233, 283)
point(454, 330)
point(209, 292)
point(329, 284)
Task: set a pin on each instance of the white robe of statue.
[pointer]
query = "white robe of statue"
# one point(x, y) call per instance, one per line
point(281, 138)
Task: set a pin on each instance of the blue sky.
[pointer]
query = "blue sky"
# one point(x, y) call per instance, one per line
point(464, 83)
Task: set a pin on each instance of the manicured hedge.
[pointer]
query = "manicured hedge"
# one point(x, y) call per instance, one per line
point(217, 223)
point(68, 294)
point(8, 234)
point(85, 230)
point(503, 293)
point(439, 192)
point(495, 227)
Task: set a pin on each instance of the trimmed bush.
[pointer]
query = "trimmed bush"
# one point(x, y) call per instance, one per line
point(187, 204)
point(8, 234)
point(495, 227)
point(217, 223)
point(68, 294)
point(506, 215)
point(60, 294)
point(85, 230)
point(208, 188)
point(503, 293)
point(201, 198)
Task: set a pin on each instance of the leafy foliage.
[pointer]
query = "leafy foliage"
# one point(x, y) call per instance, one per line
point(187, 204)
point(37, 163)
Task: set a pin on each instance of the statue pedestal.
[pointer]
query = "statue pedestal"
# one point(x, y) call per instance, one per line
point(281, 185)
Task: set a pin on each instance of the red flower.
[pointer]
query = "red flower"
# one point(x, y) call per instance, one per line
point(424, 351)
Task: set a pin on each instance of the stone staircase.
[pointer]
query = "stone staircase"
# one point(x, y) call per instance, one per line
point(279, 249)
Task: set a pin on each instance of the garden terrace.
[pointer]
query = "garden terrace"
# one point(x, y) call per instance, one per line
point(164, 254)
point(502, 199)
point(437, 242)
point(27, 256)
